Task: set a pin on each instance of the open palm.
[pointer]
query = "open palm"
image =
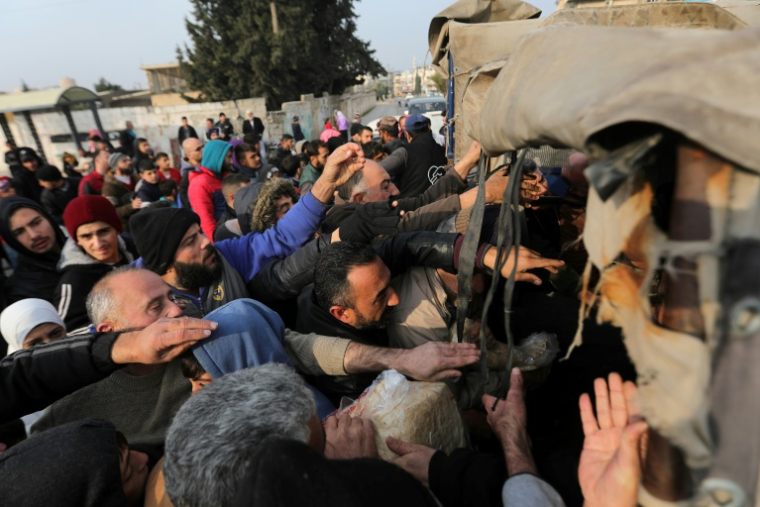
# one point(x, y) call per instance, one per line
point(610, 464)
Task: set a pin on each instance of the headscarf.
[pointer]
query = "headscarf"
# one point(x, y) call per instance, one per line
point(20, 318)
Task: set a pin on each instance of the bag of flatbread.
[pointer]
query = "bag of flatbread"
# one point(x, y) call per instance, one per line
point(423, 413)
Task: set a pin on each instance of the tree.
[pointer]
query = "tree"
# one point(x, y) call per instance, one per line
point(381, 91)
point(440, 82)
point(236, 54)
point(106, 86)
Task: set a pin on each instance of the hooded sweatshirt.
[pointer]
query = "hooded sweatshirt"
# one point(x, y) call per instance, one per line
point(79, 274)
point(81, 468)
point(249, 334)
point(205, 190)
point(35, 274)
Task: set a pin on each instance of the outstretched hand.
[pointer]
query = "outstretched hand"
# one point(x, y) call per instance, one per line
point(614, 449)
point(434, 361)
point(161, 341)
point(526, 259)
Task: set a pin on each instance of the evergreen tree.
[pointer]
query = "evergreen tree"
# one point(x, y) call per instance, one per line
point(105, 85)
point(236, 53)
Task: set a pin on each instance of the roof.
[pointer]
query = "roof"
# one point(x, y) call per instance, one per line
point(160, 66)
point(45, 99)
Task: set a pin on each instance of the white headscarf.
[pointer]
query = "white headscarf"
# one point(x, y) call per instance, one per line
point(18, 320)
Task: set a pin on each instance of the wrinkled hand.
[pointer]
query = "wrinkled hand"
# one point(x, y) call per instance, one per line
point(413, 458)
point(614, 448)
point(344, 162)
point(509, 421)
point(526, 259)
point(371, 220)
point(349, 437)
point(136, 203)
point(533, 186)
point(161, 341)
point(435, 361)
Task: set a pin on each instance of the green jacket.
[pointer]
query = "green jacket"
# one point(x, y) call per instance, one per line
point(308, 177)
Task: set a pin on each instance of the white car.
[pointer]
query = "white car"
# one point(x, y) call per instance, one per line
point(435, 117)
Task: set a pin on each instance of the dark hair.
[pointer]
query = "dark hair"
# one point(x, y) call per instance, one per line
point(184, 118)
point(251, 138)
point(146, 164)
point(331, 286)
point(290, 165)
point(233, 182)
point(285, 137)
point(334, 143)
point(210, 119)
point(161, 154)
point(140, 140)
point(191, 368)
point(371, 150)
point(414, 134)
point(167, 187)
point(241, 149)
point(370, 129)
point(222, 114)
point(391, 129)
point(356, 128)
point(313, 147)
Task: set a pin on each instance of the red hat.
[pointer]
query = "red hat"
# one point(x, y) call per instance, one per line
point(90, 208)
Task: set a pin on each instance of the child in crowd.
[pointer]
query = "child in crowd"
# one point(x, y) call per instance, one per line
point(148, 191)
point(165, 170)
point(169, 190)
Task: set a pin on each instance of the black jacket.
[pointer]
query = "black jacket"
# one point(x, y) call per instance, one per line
point(182, 135)
point(25, 183)
point(35, 275)
point(257, 127)
point(226, 130)
point(127, 141)
point(55, 201)
point(426, 158)
point(467, 478)
point(32, 379)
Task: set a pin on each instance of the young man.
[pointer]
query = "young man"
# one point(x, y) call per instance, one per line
point(185, 132)
point(285, 148)
point(209, 128)
point(228, 227)
point(57, 192)
point(317, 152)
point(149, 191)
point(93, 249)
point(165, 169)
point(119, 186)
point(367, 135)
point(23, 174)
point(141, 152)
point(226, 130)
point(26, 227)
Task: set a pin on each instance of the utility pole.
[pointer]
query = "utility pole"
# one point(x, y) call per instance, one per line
point(275, 24)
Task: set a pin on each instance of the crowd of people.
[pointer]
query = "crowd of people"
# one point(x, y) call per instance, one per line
point(187, 335)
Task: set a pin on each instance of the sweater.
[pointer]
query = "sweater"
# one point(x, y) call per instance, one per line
point(141, 407)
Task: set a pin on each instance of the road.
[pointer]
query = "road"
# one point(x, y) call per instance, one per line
point(384, 109)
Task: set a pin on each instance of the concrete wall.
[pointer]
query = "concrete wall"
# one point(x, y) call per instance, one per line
point(160, 124)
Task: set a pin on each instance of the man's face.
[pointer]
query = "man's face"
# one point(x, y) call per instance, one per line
point(101, 163)
point(200, 381)
point(100, 241)
point(124, 166)
point(163, 163)
point(366, 136)
point(227, 160)
point(196, 262)
point(402, 124)
point(150, 176)
point(129, 125)
point(143, 147)
point(288, 144)
point(209, 124)
point(194, 151)
point(250, 116)
point(371, 296)
point(184, 122)
point(222, 118)
point(50, 185)
point(379, 184)
point(133, 466)
point(252, 160)
point(44, 333)
point(33, 230)
point(282, 206)
point(214, 135)
point(357, 138)
point(140, 308)
point(30, 165)
point(319, 161)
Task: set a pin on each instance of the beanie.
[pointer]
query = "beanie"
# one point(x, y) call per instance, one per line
point(157, 233)
point(90, 208)
point(48, 173)
point(20, 318)
point(113, 159)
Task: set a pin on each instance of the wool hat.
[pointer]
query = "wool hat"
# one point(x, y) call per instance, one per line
point(90, 208)
point(113, 159)
point(20, 318)
point(157, 233)
point(48, 173)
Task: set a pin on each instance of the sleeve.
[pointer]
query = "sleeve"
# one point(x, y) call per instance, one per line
point(314, 354)
point(202, 203)
point(468, 478)
point(305, 186)
point(249, 253)
point(69, 301)
point(527, 489)
point(395, 162)
point(85, 188)
point(427, 218)
point(429, 249)
point(450, 184)
point(285, 278)
point(32, 379)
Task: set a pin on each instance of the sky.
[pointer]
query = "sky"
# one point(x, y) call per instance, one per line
point(46, 40)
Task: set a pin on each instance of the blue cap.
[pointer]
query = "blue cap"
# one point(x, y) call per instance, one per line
point(416, 122)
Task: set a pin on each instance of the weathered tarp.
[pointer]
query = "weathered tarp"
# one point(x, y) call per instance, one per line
point(563, 85)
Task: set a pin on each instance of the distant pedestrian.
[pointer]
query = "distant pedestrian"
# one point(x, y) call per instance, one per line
point(226, 130)
point(186, 131)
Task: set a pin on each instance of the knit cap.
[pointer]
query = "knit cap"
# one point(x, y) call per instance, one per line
point(48, 173)
point(113, 159)
point(90, 208)
point(157, 233)
point(20, 318)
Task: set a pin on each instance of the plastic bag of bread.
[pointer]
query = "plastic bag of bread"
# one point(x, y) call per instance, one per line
point(423, 413)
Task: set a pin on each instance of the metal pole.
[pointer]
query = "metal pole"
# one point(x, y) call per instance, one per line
point(94, 109)
point(450, 152)
point(40, 151)
point(72, 126)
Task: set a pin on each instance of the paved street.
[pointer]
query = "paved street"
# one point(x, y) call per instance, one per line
point(387, 108)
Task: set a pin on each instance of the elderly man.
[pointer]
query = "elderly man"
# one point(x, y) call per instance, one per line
point(420, 163)
point(207, 276)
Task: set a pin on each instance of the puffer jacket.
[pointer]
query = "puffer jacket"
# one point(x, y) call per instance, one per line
point(79, 274)
point(206, 199)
